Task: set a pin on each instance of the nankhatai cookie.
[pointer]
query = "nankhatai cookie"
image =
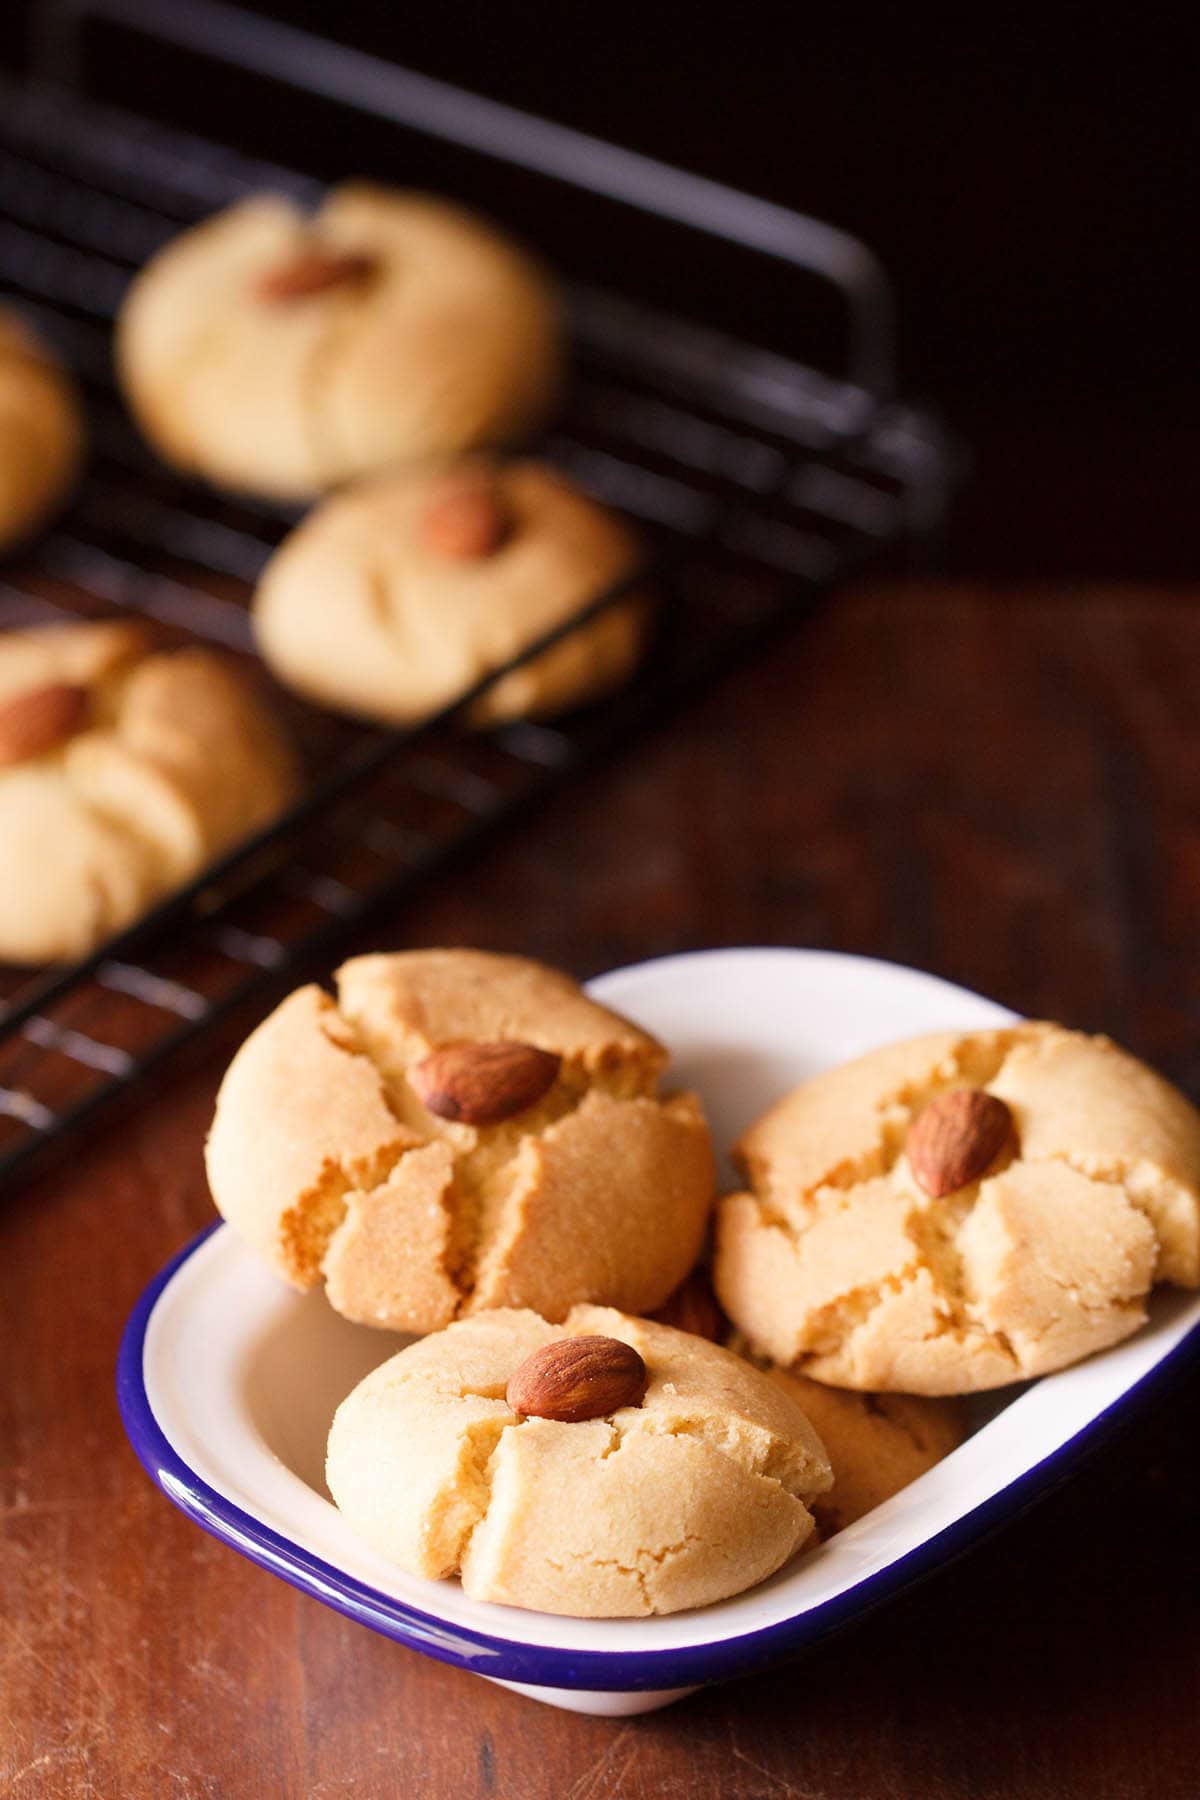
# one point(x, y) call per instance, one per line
point(603, 1467)
point(41, 431)
point(961, 1210)
point(397, 595)
point(122, 772)
point(284, 353)
point(460, 1131)
point(877, 1444)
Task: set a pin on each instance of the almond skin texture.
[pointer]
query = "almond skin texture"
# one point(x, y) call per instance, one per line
point(466, 519)
point(481, 1084)
point(956, 1138)
point(40, 720)
point(312, 272)
point(577, 1378)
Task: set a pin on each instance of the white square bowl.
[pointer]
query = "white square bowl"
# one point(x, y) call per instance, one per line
point(227, 1382)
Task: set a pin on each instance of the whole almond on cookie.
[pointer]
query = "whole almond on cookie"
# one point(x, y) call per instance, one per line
point(481, 1084)
point(40, 720)
point(577, 1378)
point(312, 272)
point(956, 1138)
point(465, 518)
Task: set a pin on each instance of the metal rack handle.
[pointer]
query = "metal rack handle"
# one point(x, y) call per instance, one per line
point(369, 84)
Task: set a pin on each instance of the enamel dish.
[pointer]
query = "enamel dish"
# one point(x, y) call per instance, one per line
point(228, 1380)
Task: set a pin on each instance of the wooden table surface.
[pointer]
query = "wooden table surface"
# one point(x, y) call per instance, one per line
point(1002, 786)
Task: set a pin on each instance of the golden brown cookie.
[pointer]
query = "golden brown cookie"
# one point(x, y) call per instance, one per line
point(284, 354)
point(695, 1492)
point(122, 772)
point(962, 1210)
point(41, 432)
point(876, 1443)
point(392, 598)
point(460, 1131)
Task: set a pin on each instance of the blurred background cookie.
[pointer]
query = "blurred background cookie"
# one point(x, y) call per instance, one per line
point(282, 353)
point(962, 1210)
point(122, 772)
point(41, 431)
point(394, 596)
point(460, 1131)
point(646, 1492)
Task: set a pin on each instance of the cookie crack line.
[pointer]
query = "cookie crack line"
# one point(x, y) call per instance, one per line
point(935, 1230)
point(486, 1475)
point(1095, 1308)
point(886, 1153)
point(962, 1320)
point(343, 315)
point(924, 1225)
point(619, 1434)
point(379, 593)
point(485, 1472)
point(949, 1277)
point(475, 1225)
point(134, 833)
point(657, 1557)
point(111, 686)
point(644, 1422)
point(698, 1428)
point(635, 1570)
point(863, 1300)
point(1114, 1175)
point(188, 363)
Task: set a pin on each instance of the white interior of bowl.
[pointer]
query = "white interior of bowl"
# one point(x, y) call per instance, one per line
point(243, 1375)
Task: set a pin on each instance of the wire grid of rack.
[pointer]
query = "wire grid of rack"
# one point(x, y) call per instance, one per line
point(758, 482)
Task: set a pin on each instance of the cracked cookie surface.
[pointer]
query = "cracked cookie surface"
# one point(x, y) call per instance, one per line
point(876, 1443)
point(447, 338)
point(326, 1161)
point(699, 1492)
point(41, 431)
point(361, 609)
point(170, 760)
point(839, 1262)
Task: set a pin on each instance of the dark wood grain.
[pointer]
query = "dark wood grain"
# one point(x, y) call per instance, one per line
point(1001, 785)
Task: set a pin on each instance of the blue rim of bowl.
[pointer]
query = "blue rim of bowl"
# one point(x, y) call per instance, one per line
point(544, 1665)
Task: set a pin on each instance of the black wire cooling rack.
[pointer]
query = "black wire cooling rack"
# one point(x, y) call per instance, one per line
point(759, 482)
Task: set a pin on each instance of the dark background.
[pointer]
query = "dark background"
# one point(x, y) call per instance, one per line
point(1002, 784)
point(1030, 187)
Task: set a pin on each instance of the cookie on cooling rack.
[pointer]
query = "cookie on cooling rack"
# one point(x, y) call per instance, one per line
point(460, 1131)
point(961, 1210)
point(283, 353)
point(605, 1467)
point(394, 596)
point(41, 432)
point(122, 772)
